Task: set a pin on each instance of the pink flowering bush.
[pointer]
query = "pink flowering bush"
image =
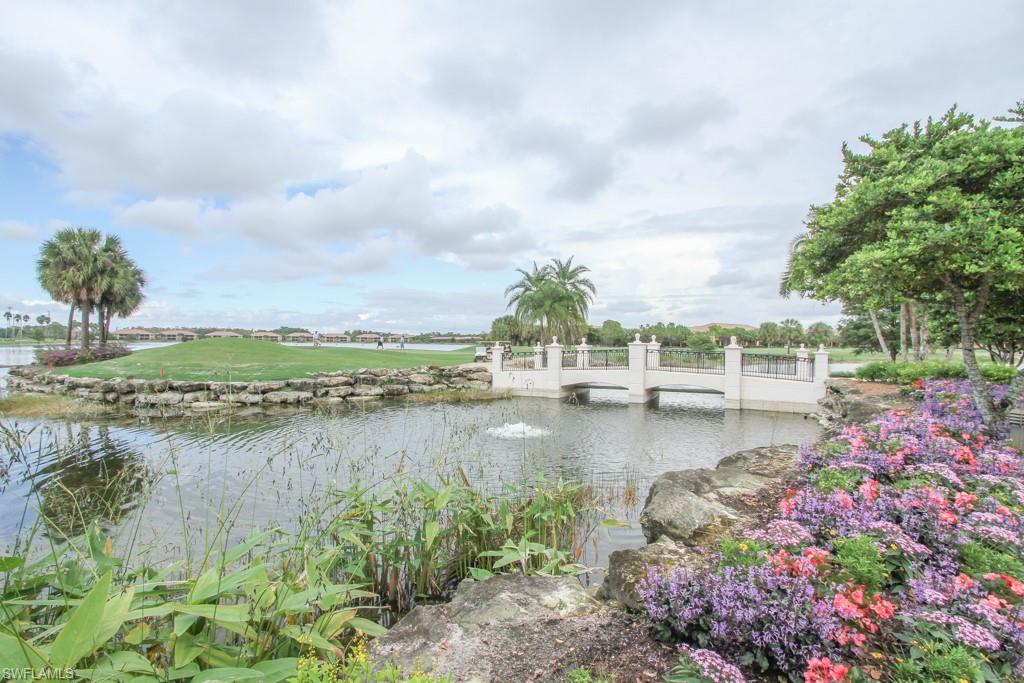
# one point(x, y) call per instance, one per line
point(897, 550)
point(60, 357)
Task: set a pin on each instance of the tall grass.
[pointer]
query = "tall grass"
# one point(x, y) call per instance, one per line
point(76, 594)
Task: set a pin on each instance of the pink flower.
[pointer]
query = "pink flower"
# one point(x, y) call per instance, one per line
point(964, 500)
point(947, 517)
point(869, 490)
point(824, 671)
point(962, 582)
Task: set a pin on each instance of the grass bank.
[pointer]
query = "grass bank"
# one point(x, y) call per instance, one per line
point(245, 360)
point(50, 406)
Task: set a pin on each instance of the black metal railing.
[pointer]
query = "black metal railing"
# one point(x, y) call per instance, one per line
point(571, 358)
point(607, 359)
point(686, 360)
point(778, 367)
point(524, 360)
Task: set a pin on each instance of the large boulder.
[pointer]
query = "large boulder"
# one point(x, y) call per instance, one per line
point(267, 387)
point(166, 398)
point(367, 390)
point(627, 567)
point(518, 628)
point(696, 505)
point(421, 378)
point(848, 401)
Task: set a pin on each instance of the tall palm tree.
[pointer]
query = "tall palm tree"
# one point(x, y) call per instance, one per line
point(122, 282)
point(70, 267)
point(556, 297)
point(7, 316)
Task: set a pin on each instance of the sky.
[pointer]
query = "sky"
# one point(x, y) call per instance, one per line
point(340, 165)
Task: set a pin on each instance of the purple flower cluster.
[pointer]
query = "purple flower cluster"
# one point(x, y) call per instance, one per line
point(930, 487)
point(60, 357)
point(710, 666)
point(777, 617)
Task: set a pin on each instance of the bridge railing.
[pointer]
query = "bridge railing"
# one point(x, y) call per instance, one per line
point(686, 360)
point(524, 360)
point(773, 366)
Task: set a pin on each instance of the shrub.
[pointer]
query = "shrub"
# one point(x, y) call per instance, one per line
point(909, 373)
point(61, 357)
point(860, 559)
point(936, 662)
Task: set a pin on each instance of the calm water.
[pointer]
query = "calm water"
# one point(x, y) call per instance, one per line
point(264, 470)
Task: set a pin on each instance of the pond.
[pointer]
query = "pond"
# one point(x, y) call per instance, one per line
point(168, 479)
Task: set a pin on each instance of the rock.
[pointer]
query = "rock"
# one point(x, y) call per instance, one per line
point(83, 382)
point(461, 382)
point(362, 399)
point(111, 397)
point(128, 399)
point(188, 387)
point(688, 505)
point(480, 377)
point(395, 389)
point(367, 390)
point(366, 378)
point(420, 378)
point(157, 386)
point(303, 385)
point(166, 398)
point(196, 397)
point(381, 372)
point(243, 399)
point(288, 396)
point(338, 381)
point(627, 567)
point(265, 387)
point(479, 385)
point(340, 392)
point(848, 401)
point(484, 621)
point(207, 406)
point(224, 388)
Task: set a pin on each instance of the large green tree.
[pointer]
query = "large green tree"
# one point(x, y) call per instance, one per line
point(928, 210)
point(555, 297)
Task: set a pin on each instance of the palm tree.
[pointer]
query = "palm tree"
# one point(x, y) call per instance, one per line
point(122, 282)
point(70, 268)
point(556, 297)
point(7, 316)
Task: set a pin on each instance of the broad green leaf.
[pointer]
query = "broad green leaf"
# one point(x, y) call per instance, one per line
point(116, 666)
point(78, 637)
point(186, 650)
point(431, 529)
point(330, 625)
point(211, 583)
point(235, 613)
point(245, 546)
point(307, 636)
point(7, 563)
point(227, 674)
point(17, 653)
point(370, 628)
point(277, 670)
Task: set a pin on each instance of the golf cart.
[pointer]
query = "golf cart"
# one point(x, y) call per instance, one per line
point(483, 353)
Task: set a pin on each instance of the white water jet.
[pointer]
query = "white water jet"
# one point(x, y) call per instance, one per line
point(519, 430)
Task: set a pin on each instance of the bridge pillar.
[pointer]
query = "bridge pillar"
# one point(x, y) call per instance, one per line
point(637, 366)
point(538, 356)
point(583, 355)
point(554, 369)
point(820, 365)
point(733, 374)
point(653, 359)
point(496, 351)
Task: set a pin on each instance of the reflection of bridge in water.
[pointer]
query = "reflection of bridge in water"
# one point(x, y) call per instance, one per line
point(752, 381)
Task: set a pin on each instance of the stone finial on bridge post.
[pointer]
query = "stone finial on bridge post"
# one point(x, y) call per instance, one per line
point(821, 364)
point(733, 374)
point(583, 354)
point(654, 354)
point(802, 352)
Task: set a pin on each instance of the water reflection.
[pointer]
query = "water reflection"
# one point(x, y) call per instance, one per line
point(184, 476)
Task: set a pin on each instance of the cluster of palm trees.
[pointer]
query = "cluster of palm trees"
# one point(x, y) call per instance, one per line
point(18, 320)
point(90, 271)
point(554, 299)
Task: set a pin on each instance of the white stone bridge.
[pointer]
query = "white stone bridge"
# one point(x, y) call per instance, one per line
point(750, 381)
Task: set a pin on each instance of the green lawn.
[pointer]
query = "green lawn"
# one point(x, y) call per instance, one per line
point(244, 360)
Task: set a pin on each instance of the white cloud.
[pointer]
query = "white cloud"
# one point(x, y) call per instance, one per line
point(16, 230)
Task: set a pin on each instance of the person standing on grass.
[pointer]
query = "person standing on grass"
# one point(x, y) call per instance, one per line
point(380, 342)
point(316, 339)
point(401, 343)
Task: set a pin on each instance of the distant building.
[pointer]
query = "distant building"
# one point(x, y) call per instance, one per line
point(263, 335)
point(335, 337)
point(134, 333)
point(178, 335)
point(222, 334)
point(450, 339)
point(299, 337)
point(367, 337)
point(701, 329)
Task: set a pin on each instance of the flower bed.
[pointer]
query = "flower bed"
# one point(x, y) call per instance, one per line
point(896, 557)
point(62, 357)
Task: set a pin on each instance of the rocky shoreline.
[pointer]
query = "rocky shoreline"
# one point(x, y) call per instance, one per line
point(188, 396)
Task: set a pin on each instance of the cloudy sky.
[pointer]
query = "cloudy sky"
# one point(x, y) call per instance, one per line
point(389, 165)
